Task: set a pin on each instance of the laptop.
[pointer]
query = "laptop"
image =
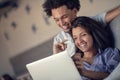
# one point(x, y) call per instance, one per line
point(55, 67)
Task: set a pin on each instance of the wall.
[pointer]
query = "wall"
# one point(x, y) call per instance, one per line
point(23, 38)
point(93, 7)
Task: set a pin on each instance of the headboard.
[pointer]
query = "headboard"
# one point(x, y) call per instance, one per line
point(19, 62)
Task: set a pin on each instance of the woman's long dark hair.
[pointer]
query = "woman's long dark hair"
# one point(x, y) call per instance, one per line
point(98, 33)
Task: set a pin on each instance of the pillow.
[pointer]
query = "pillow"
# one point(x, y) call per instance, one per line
point(115, 27)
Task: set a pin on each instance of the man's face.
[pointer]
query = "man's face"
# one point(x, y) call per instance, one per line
point(63, 17)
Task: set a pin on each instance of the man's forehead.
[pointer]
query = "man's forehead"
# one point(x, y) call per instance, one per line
point(59, 12)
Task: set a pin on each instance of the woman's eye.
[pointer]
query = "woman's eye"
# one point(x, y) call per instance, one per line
point(84, 34)
point(74, 39)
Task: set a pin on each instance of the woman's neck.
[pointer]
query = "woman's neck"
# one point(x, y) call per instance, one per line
point(90, 54)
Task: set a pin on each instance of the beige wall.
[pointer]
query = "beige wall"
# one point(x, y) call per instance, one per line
point(98, 6)
point(22, 38)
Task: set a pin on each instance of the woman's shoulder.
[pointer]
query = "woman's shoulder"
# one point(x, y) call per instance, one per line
point(111, 51)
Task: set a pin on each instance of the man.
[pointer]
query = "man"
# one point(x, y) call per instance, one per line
point(63, 12)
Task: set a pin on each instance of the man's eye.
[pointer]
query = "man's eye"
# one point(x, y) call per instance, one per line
point(64, 16)
point(56, 20)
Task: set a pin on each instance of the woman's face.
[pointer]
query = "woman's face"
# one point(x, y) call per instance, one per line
point(83, 40)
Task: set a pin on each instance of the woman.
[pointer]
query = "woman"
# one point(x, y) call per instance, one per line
point(96, 60)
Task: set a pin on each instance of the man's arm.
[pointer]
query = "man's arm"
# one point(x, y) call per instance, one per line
point(59, 46)
point(112, 14)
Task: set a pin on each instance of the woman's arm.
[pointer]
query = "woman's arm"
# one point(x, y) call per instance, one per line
point(94, 75)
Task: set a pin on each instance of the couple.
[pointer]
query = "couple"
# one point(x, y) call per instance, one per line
point(64, 12)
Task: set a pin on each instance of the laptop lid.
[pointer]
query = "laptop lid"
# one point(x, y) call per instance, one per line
point(55, 67)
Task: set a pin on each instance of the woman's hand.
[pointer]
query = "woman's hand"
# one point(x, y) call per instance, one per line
point(78, 61)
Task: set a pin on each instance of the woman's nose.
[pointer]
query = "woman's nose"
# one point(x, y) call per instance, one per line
point(80, 39)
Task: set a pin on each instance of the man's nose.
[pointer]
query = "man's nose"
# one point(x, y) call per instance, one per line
point(62, 22)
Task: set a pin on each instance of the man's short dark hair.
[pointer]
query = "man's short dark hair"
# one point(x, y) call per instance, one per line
point(52, 4)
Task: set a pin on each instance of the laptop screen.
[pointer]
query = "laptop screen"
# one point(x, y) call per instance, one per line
point(55, 67)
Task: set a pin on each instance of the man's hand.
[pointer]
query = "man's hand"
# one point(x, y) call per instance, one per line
point(61, 46)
